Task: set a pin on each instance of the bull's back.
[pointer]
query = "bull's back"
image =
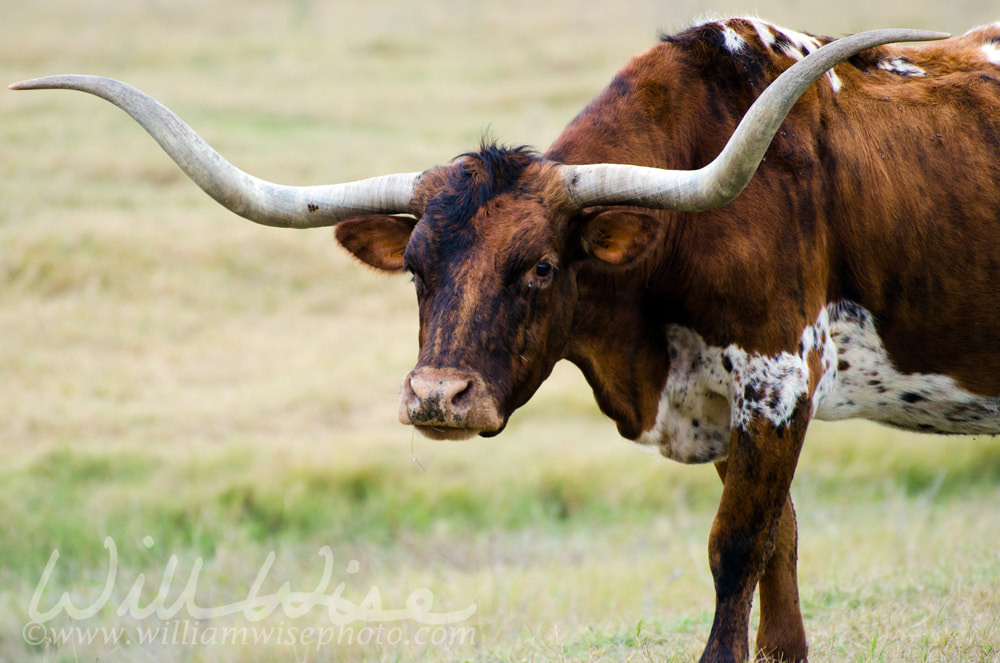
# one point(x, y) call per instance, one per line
point(913, 199)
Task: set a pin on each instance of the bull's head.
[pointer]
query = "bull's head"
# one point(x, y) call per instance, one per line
point(494, 241)
point(494, 259)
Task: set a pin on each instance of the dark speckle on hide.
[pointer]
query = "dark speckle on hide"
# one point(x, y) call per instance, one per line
point(752, 394)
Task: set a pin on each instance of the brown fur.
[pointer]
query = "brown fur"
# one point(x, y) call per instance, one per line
point(884, 194)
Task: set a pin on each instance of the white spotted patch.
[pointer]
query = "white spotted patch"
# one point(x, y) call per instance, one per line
point(773, 387)
point(867, 386)
point(733, 42)
point(796, 45)
point(692, 423)
point(711, 389)
point(991, 50)
point(901, 67)
point(991, 47)
point(763, 32)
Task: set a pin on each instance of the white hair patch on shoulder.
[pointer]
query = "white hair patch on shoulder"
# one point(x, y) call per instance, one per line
point(991, 50)
point(901, 67)
point(734, 42)
point(763, 31)
point(798, 45)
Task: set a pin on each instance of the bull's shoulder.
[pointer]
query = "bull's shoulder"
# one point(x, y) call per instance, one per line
point(751, 52)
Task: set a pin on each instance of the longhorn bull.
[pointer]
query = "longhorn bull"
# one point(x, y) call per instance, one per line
point(716, 294)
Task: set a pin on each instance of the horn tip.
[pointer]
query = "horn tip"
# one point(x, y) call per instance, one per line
point(31, 84)
point(71, 81)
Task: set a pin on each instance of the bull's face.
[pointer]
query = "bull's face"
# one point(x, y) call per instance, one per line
point(495, 261)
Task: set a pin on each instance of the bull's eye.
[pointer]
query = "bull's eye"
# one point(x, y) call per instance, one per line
point(539, 276)
point(417, 282)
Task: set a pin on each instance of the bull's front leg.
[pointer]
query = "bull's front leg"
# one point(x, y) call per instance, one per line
point(763, 452)
point(781, 635)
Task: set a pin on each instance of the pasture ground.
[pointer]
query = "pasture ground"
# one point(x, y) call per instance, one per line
point(208, 395)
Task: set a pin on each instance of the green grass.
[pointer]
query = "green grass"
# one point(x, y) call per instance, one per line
point(202, 389)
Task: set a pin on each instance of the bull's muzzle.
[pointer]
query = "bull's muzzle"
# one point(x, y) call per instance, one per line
point(448, 404)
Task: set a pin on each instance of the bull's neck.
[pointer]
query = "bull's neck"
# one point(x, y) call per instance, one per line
point(619, 333)
point(620, 348)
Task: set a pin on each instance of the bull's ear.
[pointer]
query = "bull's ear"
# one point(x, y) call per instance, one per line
point(617, 235)
point(378, 240)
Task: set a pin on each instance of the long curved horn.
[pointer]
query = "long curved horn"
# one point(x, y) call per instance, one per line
point(256, 199)
point(719, 182)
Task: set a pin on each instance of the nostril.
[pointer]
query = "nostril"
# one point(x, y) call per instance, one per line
point(453, 392)
point(462, 394)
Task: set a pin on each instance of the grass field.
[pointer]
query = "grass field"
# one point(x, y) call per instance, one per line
point(217, 399)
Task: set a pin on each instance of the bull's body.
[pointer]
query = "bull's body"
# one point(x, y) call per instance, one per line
point(856, 276)
point(869, 237)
